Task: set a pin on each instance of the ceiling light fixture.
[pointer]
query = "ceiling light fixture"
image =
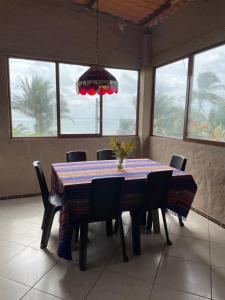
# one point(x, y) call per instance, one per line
point(97, 80)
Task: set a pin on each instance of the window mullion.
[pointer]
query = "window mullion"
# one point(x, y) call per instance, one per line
point(188, 94)
point(58, 100)
point(101, 115)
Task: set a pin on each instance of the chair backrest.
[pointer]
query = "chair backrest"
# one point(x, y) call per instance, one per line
point(42, 183)
point(156, 189)
point(178, 162)
point(105, 154)
point(106, 198)
point(73, 156)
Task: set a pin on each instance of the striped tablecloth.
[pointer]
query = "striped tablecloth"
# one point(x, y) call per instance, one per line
point(73, 182)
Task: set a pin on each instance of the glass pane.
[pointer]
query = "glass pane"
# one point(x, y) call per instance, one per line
point(33, 98)
point(119, 110)
point(170, 94)
point(207, 101)
point(79, 114)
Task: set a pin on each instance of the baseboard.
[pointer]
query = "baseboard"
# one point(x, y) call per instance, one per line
point(208, 217)
point(19, 196)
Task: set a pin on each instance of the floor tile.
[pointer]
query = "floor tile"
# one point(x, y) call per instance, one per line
point(185, 276)
point(38, 295)
point(217, 233)
point(65, 280)
point(190, 249)
point(113, 285)
point(195, 226)
point(23, 233)
point(28, 266)
point(217, 254)
point(29, 209)
point(218, 286)
point(142, 267)
point(163, 293)
point(10, 290)
point(8, 250)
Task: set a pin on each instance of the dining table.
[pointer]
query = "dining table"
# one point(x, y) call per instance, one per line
point(72, 182)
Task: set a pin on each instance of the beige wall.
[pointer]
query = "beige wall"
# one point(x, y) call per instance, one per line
point(197, 25)
point(53, 29)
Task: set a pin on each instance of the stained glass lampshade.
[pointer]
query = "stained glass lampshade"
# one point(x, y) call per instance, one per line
point(97, 80)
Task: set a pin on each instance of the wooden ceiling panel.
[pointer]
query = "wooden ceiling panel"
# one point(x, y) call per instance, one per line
point(145, 13)
point(81, 2)
point(122, 10)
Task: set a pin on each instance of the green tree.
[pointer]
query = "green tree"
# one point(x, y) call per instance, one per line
point(208, 107)
point(20, 130)
point(169, 116)
point(37, 102)
point(208, 85)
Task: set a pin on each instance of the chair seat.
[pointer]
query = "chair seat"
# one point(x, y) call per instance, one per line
point(55, 200)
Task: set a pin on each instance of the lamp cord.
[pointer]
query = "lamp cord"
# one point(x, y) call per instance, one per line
point(97, 32)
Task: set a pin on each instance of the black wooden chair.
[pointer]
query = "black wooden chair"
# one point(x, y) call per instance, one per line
point(155, 196)
point(105, 154)
point(73, 156)
point(178, 162)
point(52, 204)
point(105, 204)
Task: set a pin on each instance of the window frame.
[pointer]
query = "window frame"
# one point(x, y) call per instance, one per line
point(60, 135)
point(185, 137)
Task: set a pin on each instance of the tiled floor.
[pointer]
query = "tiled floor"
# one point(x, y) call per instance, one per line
point(192, 268)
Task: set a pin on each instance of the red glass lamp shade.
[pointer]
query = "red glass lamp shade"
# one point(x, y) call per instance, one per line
point(96, 80)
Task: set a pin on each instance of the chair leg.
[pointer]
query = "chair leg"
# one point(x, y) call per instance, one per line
point(180, 221)
point(47, 226)
point(165, 226)
point(143, 218)
point(77, 229)
point(83, 246)
point(109, 228)
point(43, 220)
point(136, 239)
point(122, 238)
point(155, 221)
point(149, 220)
point(116, 226)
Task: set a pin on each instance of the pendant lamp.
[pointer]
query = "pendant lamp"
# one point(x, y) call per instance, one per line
point(97, 80)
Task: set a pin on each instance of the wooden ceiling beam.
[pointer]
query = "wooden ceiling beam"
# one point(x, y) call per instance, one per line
point(156, 13)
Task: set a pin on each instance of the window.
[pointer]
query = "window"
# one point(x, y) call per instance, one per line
point(119, 110)
point(78, 114)
point(44, 101)
point(207, 97)
point(170, 94)
point(33, 98)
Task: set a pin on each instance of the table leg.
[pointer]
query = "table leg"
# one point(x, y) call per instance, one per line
point(155, 219)
point(135, 217)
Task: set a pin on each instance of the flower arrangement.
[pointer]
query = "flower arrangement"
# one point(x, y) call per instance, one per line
point(121, 150)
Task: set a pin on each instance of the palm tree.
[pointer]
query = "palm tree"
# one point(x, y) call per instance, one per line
point(208, 85)
point(37, 102)
point(208, 107)
point(169, 116)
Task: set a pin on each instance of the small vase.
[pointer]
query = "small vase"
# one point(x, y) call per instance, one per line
point(120, 163)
